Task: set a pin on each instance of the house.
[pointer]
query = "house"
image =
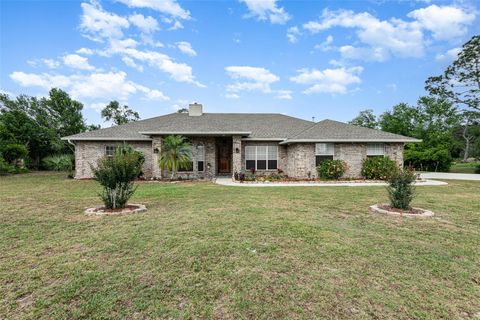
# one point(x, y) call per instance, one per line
point(225, 143)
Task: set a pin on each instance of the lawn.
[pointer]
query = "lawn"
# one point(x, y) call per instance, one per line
point(207, 251)
point(468, 167)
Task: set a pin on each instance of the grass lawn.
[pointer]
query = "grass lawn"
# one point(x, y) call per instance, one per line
point(207, 251)
point(460, 167)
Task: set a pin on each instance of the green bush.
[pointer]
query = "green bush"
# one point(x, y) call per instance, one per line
point(431, 159)
point(401, 190)
point(116, 175)
point(13, 152)
point(378, 168)
point(477, 168)
point(331, 169)
point(5, 167)
point(128, 149)
point(62, 162)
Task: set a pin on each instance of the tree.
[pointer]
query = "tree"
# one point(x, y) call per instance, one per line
point(365, 118)
point(119, 114)
point(460, 83)
point(182, 110)
point(176, 153)
point(401, 120)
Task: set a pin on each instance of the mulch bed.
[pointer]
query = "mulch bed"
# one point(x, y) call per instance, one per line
point(102, 211)
point(128, 207)
point(411, 211)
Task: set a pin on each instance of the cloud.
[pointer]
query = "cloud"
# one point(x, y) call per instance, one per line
point(450, 55)
point(293, 33)
point(50, 63)
point(176, 25)
point(169, 7)
point(146, 24)
point(364, 53)
point(267, 10)
point(97, 106)
point(329, 80)
point(85, 51)
point(325, 45)
point(98, 24)
point(131, 63)
point(186, 48)
point(445, 23)
point(107, 85)
point(284, 94)
point(77, 62)
point(250, 79)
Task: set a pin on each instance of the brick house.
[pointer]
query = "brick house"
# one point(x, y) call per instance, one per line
point(225, 143)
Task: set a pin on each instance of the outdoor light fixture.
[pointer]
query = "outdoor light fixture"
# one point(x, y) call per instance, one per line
point(155, 150)
point(237, 150)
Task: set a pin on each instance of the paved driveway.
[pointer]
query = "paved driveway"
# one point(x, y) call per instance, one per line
point(452, 176)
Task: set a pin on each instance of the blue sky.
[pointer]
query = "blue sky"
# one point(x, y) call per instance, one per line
point(328, 59)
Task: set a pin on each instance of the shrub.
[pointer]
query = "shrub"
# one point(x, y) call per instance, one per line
point(62, 162)
point(331, 169)
point(13, 152)
point(5, 167)
point(128, 149)
point(116, 175)
point(431, 159)
point(378, 168)
point(401, 190)
point(477, 168)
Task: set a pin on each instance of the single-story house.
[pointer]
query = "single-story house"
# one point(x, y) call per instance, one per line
point(225, 143)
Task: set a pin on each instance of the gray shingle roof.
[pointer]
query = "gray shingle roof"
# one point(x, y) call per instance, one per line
point(250, 125)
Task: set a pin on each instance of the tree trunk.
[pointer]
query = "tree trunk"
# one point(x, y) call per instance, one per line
point(467, 142)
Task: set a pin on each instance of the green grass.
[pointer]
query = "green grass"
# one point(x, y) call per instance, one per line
point(460, 167)
point(207, 251)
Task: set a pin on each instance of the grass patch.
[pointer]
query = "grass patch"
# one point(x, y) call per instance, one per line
point(208, 251)
point(468, 167)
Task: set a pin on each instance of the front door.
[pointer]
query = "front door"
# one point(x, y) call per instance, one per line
point(224, 149)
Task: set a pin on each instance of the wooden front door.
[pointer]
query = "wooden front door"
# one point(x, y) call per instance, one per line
point(224, 150)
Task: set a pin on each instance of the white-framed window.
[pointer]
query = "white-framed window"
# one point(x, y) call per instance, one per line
point(110, 150)
point(200, 157)
point(375, 149)
point(323, 151)
point(261, 157)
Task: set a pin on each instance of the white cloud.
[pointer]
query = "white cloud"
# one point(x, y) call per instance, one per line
point(445, 23)
point(450, 55)
point(284, 94)
point(98, 24)
point(293, 33)
point(250, 79)
point(146, 24)
point(169, 7)
point(325, 45)
point(109, 85)
point(176, 25)
point(97, 106)
point(131, 63)
point(77, 62)
point(50, 63)
point(85, 51)
point(232, 96)
point(186, 48)
point(329, 80)
point(267, 10)
point(364, 53)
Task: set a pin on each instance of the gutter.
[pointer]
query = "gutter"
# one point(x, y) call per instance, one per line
point(350, 140)
point(197, 133)
point(104, 139)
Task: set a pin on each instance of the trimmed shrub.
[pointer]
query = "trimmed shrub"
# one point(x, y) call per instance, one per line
point(116, 175)
point(14, 152)
point(401, 190)
point(62, 162)
point(331, 169)
point(378, 168)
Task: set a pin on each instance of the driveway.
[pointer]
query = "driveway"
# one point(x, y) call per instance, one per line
point(452, 176)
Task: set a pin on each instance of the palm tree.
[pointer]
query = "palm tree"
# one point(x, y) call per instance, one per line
point(176, 153)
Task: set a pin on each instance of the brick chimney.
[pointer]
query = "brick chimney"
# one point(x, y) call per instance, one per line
point(195, 109)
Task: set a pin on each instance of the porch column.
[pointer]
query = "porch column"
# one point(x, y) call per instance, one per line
point(156, 150)
point(236, 154)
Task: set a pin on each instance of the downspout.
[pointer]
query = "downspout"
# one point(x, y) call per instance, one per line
point(74, 154)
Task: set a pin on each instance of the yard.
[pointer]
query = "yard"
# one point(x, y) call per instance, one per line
point(468, 167)
point(206, 251)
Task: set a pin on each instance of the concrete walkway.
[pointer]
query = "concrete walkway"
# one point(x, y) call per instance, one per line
point(450, 176)
point(224, 181)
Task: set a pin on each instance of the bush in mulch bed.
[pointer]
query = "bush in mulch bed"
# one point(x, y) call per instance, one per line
point(401, 190)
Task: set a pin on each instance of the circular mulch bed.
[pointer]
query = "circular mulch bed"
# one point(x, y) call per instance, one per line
point(102, 211)
point(414, 212)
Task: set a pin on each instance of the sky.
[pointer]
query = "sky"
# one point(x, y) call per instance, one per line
point(322, 59)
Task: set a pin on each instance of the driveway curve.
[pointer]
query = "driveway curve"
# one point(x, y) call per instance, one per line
point(450, 176)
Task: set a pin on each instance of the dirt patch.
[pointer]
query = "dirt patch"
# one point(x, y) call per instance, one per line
point(129, 208)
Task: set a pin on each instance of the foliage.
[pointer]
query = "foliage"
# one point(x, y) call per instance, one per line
point(365, 118)
point(378, 168)
point(61, 162)
point(13, 152)
point(401, 120)
point(116, 175)
point(119, 114)
point(477, 168)
point(5, 167)
point(401, 190)
point(176, 153)
point(331, 169)
point(128, 149)
point(460, 82)
point(428, 159)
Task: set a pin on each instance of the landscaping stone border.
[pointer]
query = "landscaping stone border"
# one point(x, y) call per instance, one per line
point(96, 212)
point(425, 213)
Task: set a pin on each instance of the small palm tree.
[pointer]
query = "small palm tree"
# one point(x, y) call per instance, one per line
point(176, 153)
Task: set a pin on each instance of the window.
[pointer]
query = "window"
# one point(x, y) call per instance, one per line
point(109, 151)
point(200, 157)
point(261, 157)
point(323, 151)
point(375, 149)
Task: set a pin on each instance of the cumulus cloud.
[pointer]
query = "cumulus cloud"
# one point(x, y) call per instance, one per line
point(293, 33)
point(145, 24)
point(267, 10)
point(98, 24)
point(186, 48)
point(329, 80)
point(49, 63)
point(77, 62)
point(284, 94)
point(449, 55)
point(85, 51)
point(250, 79)
point(169, 7)
point(325, 45)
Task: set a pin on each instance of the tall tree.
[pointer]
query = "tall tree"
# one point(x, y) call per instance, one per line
point(176, 153)
point(460, 82)
point(401, 120)
point(119, 114)
point(365, 118)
